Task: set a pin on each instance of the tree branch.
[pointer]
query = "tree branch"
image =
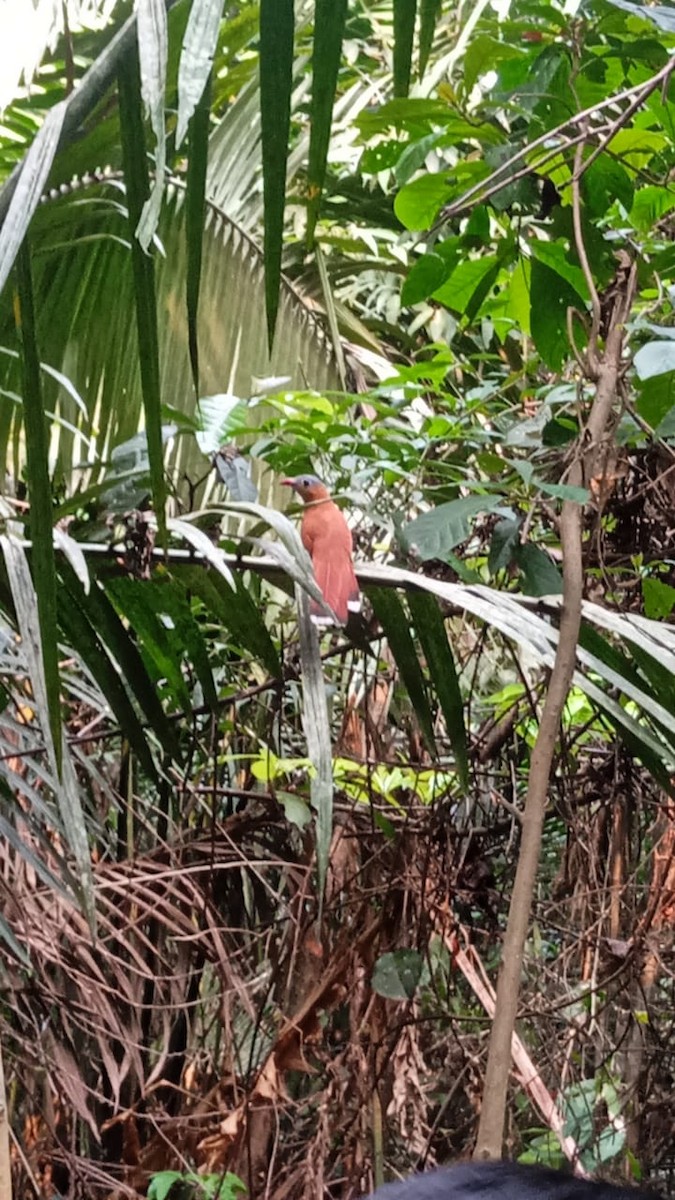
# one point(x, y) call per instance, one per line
point(609, 367)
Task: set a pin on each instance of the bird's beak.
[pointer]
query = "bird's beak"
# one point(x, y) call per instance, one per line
point(288, 483)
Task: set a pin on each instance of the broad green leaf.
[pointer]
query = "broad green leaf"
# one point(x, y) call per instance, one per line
point(276, 80)
point(650, 205)
point(40, 495)
point(436, 533)
point(433, 638)
point(199, 47)
point(412, 157)
point(405, 12)
point(637, 146)
point(656, 402)
point(217, 415)
point(477, 231)
point(417, 204)
point(396, 625)
point(136, 179)
point(481, 291)
point(162, 1183)
point(397, 974)
point(512, 191)
point(662, 331)
point(513, 301)
point(550, 297)
point(468, 278)
point(482, 54)
point(329, 23)
point(560, 431)
point(656, 358)
point(604, 182)
point(195, 209)
point(425, 277)
point(381, 157)
point(563, 491)
point(554, 256)
point(541, 577)
point(296, 811)
point(655, 367)
point(414, 114)
point(504, 545)
point(659, 599)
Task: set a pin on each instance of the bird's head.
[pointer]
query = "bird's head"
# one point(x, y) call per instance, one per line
point(308, 487)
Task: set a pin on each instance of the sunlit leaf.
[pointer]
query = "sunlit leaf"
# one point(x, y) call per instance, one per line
point(31, 182)
point(152, 53)
point(196, 60)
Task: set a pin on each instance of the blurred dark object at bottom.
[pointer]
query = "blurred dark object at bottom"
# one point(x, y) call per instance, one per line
point(505, 1181)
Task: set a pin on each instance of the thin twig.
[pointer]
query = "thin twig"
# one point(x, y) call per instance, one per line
point(596, 313)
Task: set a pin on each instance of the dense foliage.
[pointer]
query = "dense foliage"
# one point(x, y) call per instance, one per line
point(257, 888)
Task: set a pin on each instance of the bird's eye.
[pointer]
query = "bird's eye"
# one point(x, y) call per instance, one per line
point(305, 482)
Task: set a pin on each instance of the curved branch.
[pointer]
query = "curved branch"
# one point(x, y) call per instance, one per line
point(504, 173)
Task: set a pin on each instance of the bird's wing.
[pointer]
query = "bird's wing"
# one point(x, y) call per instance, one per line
point(334, 571)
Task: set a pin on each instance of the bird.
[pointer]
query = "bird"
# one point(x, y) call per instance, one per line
point(328, 540)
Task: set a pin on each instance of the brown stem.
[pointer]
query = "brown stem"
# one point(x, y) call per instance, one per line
point(582, 471)
point(491, 1126)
